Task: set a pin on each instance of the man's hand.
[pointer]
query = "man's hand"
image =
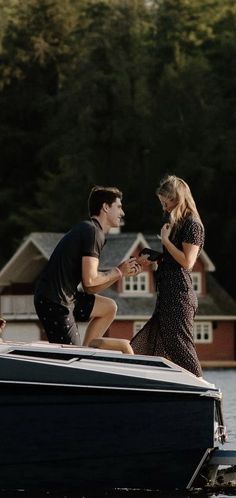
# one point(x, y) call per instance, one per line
point(95, 281)
point(145, 263)
point(130, 267)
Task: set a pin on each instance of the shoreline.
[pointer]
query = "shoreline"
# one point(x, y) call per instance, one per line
point(218, 364)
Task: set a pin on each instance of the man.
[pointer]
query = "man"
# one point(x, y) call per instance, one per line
point(74, 261)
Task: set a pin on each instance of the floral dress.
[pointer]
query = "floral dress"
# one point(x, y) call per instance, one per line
point(169, 331)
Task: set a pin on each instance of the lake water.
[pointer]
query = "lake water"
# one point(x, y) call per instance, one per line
point(226, 381)
point(222, 378)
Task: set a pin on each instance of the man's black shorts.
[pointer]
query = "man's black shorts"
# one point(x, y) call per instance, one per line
point(59, 322)
point(83, 306)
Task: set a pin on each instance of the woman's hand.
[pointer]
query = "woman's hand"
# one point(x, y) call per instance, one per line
point(187, 257)
point(165, 233)
point(145, 263)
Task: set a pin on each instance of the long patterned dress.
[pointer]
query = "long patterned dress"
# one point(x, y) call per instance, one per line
point(169, 331)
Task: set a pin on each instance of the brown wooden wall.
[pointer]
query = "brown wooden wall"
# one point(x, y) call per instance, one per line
point(223, 346)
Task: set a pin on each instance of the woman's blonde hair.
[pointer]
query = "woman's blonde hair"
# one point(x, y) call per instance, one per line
point(175, 189)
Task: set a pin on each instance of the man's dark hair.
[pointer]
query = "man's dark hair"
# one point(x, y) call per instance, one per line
point(99, 195)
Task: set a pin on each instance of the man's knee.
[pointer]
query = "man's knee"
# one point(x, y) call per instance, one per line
point(104, 307)
point(112, 307)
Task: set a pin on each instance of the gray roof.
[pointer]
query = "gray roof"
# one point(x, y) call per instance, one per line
point(118, 247)
point(132, 306)
point(46, 241)
point(217, 301)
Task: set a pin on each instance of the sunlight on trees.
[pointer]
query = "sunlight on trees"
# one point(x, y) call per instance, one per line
point(117, 92)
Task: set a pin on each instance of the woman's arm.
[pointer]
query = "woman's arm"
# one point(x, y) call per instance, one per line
point(187, 257)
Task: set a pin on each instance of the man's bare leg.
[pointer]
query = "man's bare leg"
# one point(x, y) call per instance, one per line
point(103, 314)
point(112, 343)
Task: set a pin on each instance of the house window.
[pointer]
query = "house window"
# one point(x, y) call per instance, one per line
point(137, 327)
point(136, 284)
point(197, 282)
point(203, 332)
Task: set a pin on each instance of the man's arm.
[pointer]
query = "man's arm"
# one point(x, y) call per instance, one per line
point(94, 281)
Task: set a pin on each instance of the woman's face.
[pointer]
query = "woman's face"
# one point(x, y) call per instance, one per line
point(167, 204)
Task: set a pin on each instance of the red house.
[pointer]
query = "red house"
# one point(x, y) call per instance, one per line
point(214, 329)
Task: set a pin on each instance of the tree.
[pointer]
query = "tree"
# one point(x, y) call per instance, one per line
point(192, 84)
point(102, 111)
point(34, 48)
point(117, 92)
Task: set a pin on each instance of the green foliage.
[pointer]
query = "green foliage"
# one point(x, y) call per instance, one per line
point(117, 92)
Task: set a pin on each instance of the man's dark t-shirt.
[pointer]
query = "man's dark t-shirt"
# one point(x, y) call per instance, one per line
point(63, 272)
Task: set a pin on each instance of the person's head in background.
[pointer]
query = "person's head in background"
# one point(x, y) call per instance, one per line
point(176, 199)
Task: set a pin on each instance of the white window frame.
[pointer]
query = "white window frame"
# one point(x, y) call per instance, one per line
point(203, 332)
point(197, 281)
point(138, 325)
point(142, 279)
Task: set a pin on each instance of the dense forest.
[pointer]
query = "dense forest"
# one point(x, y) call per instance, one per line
point(117, 92)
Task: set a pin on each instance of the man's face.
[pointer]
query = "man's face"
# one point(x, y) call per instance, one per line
point(115, 213)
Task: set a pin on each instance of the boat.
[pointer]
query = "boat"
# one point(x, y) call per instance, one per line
point(90, 418)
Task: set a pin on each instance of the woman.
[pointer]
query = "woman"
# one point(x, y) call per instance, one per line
point(169, 332)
